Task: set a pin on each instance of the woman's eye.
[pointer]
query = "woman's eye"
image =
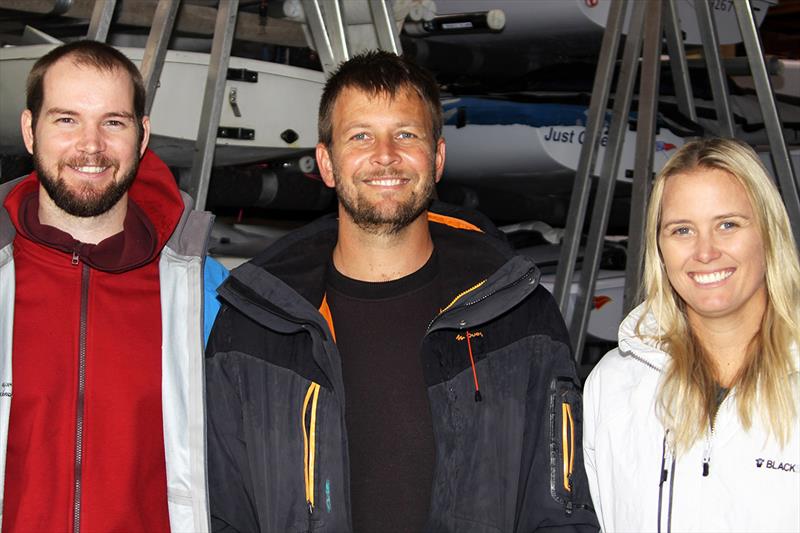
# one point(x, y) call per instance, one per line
point(681, 230)
point(728, 224)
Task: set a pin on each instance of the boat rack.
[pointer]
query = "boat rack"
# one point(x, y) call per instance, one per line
point(328, 32)
point(650, 22)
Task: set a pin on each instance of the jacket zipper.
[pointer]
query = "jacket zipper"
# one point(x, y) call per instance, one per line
point(309, 444)
point(710, 438)
point(567, 444)
point(76, 527)
point(478, 300)
point(646, 363)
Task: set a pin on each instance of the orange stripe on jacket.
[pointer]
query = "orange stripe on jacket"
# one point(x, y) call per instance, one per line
point(453, 222)
point(325, 311)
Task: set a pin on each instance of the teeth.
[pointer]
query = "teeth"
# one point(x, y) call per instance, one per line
point(90, 170)
point(387, 182)
point(712, 277)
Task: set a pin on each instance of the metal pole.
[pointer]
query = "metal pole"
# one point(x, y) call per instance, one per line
point(677, 61)
point(212, 101)
point(769, 112)
point(384, 27)
point(605, 185)
point(322, 41)
point(643, 164)
point(716, 71)
point(337, 30)
point(582, 185)
point(156, 48)
point(100, 22)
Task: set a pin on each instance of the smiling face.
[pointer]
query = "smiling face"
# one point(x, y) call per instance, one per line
point(711, 245)
point(383, 160)
point(86, 141)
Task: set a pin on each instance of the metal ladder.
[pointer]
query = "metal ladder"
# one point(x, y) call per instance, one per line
point(650, 20)
point(328, 31)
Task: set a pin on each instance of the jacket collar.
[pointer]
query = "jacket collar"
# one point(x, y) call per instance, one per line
point(468, 246)
point(644, 346)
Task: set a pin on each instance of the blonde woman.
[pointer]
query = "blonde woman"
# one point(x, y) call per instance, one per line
point(691, 423)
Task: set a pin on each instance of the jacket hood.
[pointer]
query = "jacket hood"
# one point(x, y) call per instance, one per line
point(156, 200)
point(644, 345)
point(641, 344)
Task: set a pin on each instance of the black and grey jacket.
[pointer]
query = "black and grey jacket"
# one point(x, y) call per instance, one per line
point(507, 427)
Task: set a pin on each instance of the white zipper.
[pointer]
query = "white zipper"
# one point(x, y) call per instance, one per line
point(710, 437)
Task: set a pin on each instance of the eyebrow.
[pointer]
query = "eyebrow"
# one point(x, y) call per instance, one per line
point(665, 223)
point(398, 125)
point(112, 114)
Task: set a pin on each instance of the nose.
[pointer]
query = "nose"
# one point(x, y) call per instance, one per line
point(91, 140)
point(706, 249)
point(385, 151)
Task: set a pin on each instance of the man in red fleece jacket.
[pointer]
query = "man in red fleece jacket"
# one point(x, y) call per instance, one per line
point(101, 276)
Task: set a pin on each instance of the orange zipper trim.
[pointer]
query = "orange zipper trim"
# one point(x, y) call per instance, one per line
point(567, 443)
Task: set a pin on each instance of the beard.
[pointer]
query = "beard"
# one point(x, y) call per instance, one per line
point(86, 200)
point(371, 218)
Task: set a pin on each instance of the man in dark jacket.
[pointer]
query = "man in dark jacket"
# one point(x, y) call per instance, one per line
point(396, 368)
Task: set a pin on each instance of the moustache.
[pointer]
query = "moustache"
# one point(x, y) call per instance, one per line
point(89, 161)
point(386, 173)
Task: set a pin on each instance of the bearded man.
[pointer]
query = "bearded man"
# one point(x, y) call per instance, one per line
point(101, 315)
point(395, 368)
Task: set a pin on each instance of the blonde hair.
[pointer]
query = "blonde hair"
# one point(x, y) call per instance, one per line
point(687, 397)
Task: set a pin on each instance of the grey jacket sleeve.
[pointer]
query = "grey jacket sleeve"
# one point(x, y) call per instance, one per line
point(229, 477)
point(554, 491)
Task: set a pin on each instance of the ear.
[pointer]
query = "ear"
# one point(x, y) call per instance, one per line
point(325, 165)
point(145, 135)
point(438, 162)
point(26, 125)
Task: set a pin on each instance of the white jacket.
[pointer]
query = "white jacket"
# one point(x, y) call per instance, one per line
point(752, 484)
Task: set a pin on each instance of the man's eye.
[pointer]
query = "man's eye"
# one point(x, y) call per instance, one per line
point(359, 136)
point(406, 135)
point(65, 120)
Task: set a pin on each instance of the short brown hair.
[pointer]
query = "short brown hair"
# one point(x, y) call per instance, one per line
point(85, 53)
point(379, 72)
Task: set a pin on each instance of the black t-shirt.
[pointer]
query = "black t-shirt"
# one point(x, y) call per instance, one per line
point(379, 329)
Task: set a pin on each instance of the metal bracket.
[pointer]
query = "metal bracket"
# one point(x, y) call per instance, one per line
point(242, 74)
point(242, 134)
point(233, 100)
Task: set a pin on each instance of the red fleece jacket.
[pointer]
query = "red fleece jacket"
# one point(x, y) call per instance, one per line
point(89, 444)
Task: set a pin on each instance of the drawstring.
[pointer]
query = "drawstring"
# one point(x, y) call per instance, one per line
point(664, 475)
point(478, 396)
point(671, 487)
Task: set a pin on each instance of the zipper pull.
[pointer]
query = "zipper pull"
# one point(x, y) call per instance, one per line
point(706, 464)
point(75, 258)
point(310, 508)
